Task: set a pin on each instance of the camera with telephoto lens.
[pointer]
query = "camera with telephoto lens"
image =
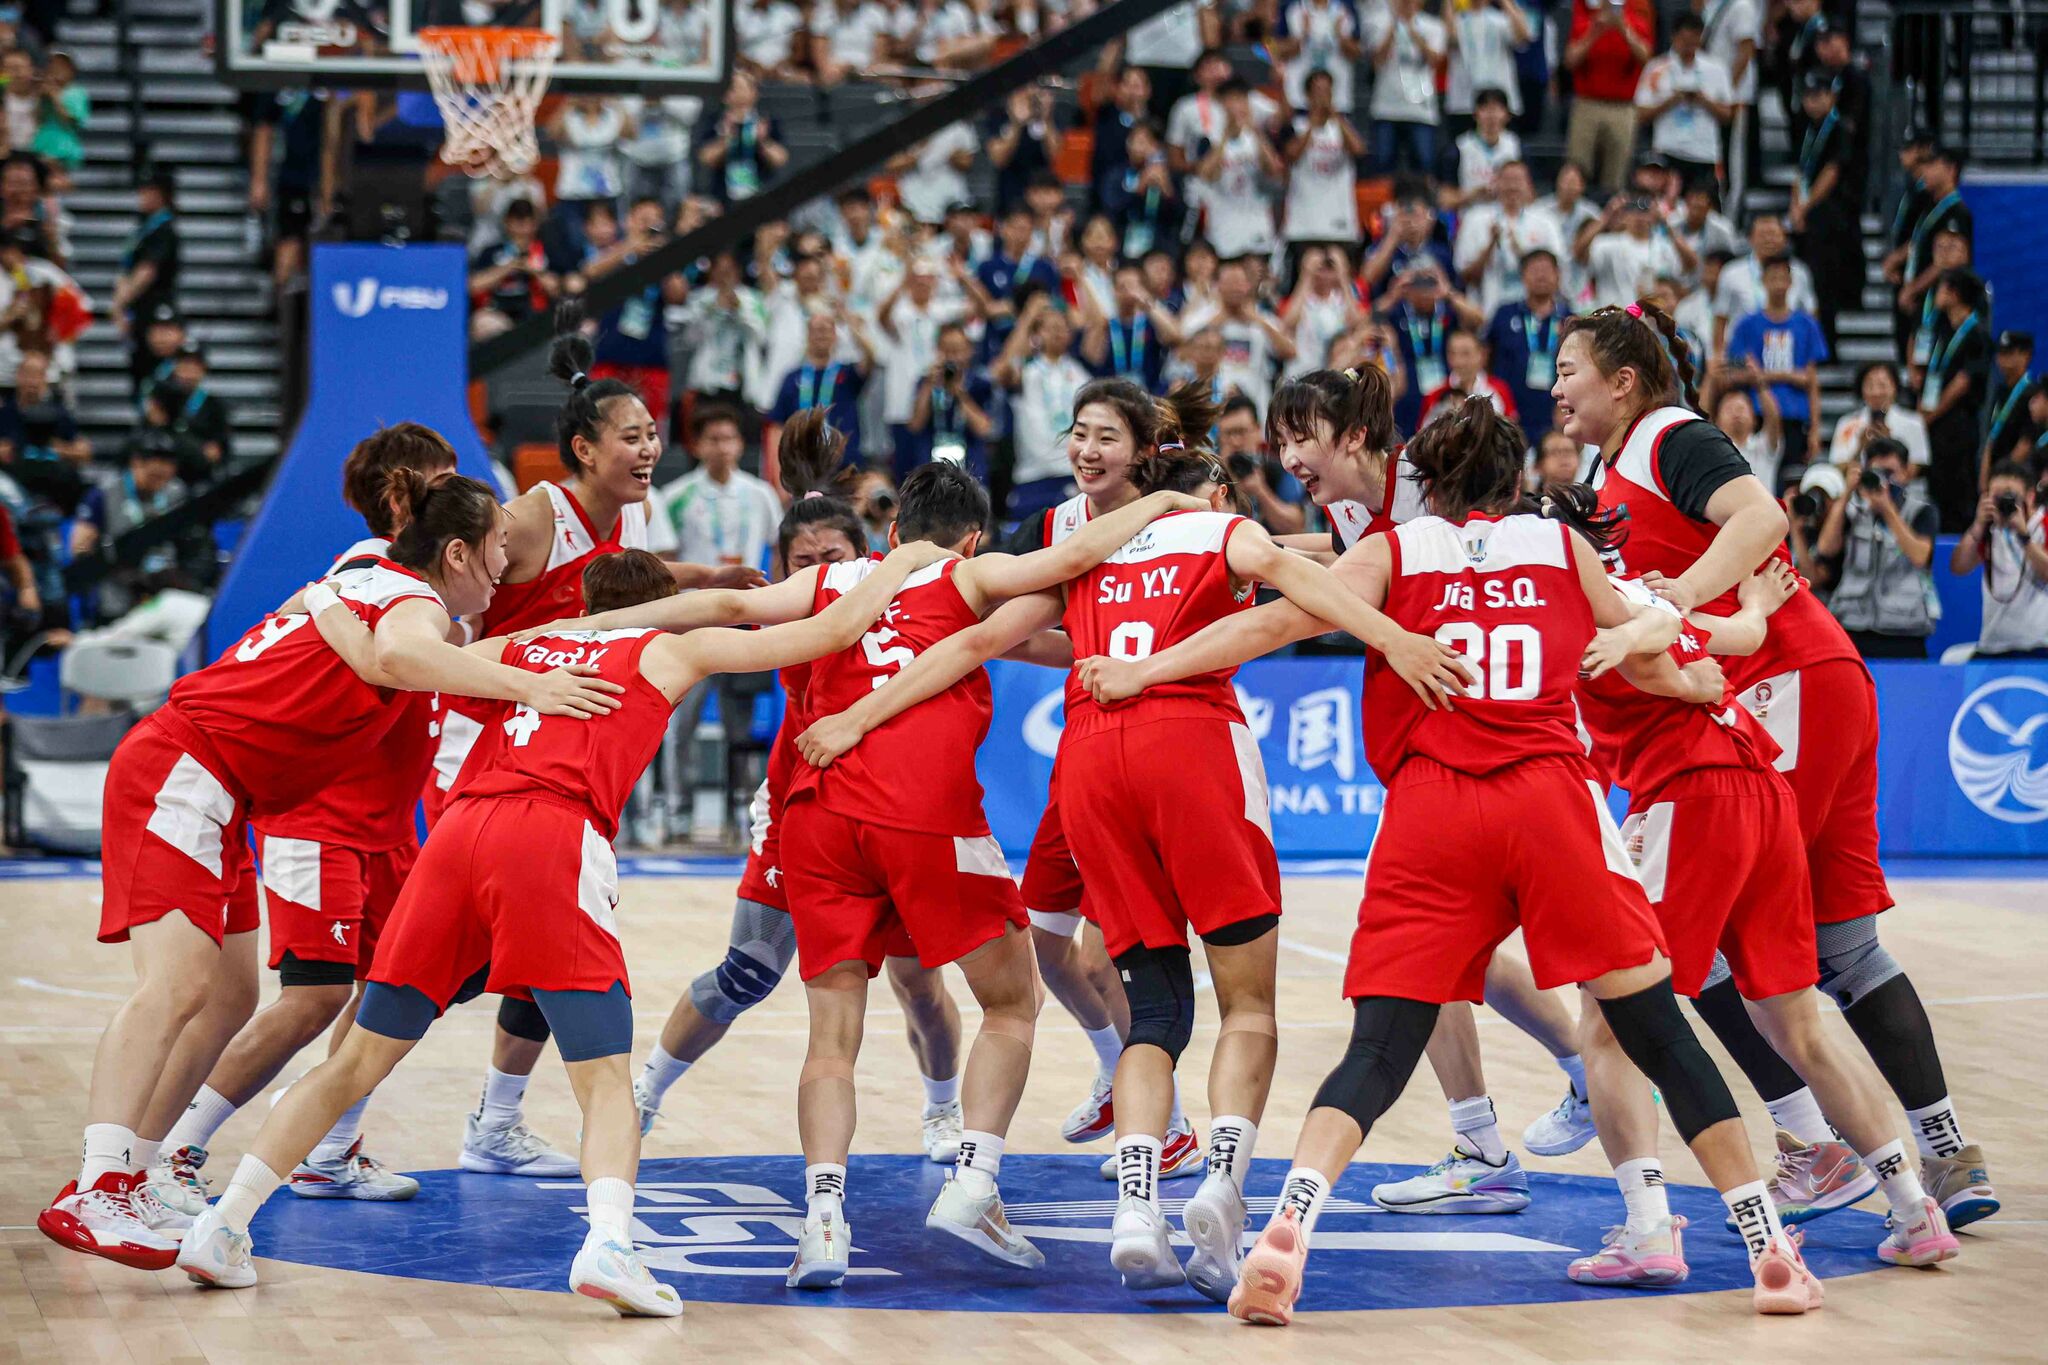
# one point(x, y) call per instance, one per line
point(882, 502)
point(1807, 506)
point(1870, 481)
point(1241, 466)
point(949, 373)
point(2008, 505)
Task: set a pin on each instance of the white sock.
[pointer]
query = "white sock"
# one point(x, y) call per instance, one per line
point(503, 1097)
point(343, 1134)
point(611, 1208)
point(1108, 1047)
point(1478, 1130)
point(825, 1190)
point(1574, 1066)
point(1799, 1114)
point(1177, 1121)
point(1642, 1189)
point(201, 1120)
point(981, 1160)
point(108, 1148)
point(254, 1182)
point(1231, 1140)
point(1304, 1192)
point(1137, 1167)
point(1756, 1217)
point(938, 1093)
point(659, 1073)
point(142, 1155)
point(1935, 1130)
point(1901, 1182)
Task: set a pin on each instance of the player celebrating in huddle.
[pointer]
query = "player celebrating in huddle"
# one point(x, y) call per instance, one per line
point(276, 718)
point(1699, 523)
point(520, 882)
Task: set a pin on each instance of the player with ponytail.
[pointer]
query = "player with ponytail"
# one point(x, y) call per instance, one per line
point(1699, 524)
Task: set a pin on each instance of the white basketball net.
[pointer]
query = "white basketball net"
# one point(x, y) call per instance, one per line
point(488, 83)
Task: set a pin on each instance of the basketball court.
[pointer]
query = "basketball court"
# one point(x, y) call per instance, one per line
point(474, 1268)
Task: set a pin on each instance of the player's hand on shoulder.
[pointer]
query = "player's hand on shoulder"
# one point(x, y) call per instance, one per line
point(1166, 501)
point(1768, 588)
point(1607, 649)
point(573, 691)
point(1108, 680)
point(1435, 672)
point(736, 576)
point(827, 739)
point(1676, 591)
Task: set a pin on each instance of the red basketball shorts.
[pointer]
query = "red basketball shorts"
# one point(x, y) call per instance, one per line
point(1824, 717)
point(1459, 860)
point(762, 878)
point(1052, 883)
point(329, 903)
point(173, 840)
point(1169, 826)
point(856, 889)
point(527, 886)
point(1721, 860)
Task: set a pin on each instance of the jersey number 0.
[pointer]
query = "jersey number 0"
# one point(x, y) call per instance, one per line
point(1493, 655)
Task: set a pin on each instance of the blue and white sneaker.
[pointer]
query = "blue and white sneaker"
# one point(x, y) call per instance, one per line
point(609, 1270)
point(512, 1149)
point(1460, 1183)
point(352, 1176)
point(647, 1111)
point(1564, 1129)
point(215, 1256)
point(176, 1181)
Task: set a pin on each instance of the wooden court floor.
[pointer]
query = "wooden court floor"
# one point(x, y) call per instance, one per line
point(1977, 949)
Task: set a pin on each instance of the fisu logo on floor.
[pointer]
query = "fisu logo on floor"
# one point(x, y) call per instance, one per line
point(724, 1229)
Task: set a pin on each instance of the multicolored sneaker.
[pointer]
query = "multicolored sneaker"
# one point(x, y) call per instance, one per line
point(1269, 1282)
point(1961, 1184)
point(1093, 1117)
point(1923, 1242)
point(1650, 1259)
point(1783, 1283)
point(1461, 1183)
point(1180, 1155)
point(1814, 1178)
point(978, 1220)
point(175, 1180)
point(610, 1271)
point(353, 1176)
point(215, 1256)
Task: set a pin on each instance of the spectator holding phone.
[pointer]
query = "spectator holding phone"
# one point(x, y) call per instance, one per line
point(2009, 540)
point(1883, 529)
point(1882, 414)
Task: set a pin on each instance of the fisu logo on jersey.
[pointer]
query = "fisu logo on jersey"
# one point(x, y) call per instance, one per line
point(725, 1230)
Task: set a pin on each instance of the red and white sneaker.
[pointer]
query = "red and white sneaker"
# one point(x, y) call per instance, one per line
point(1923, 1242)
point(1269, 1281)
point(1094, 1117)
point(1181, 1155)
point(103, 1221)
point(1783, 1283)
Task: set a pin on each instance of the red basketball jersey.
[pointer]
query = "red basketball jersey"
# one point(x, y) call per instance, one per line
point(557, 592)
point(588, 765)
point(1351, 522)
point(1163, 585)
point(282, 712)
point(369, 807)
point(1641, 741)
point(1504, 594)
point(1664, 539)
point(917, 771)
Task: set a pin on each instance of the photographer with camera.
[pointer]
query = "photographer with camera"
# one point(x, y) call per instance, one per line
point(1884, 531)
point(2009, 539)
point(949, 414)
point(1241, 441)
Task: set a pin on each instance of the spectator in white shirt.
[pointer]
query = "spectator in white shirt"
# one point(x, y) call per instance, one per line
point(1749, 418)
point(726, 325)
point(1169, 46)
point(767, 32)
point(2009, 539)
point(845, 35)
point(1237, 170)
point(1197, 117)
point(1253, 338)
point(808, 291)
point(1699, 223)
point(1627, 251)
point(1480, 152)
point(932, 178)
point(1573, 211)
point(909, 322)
point(1688, 97)
point(1493, 238)
point(1733, 31)
point(1322, 170)
point(1882, 414)
point(1741, 289)
point(1323, 308)
point(1317, 35)
point(1484, 40)
point(717, 513)
point(1408, 49)
point(1042, 375)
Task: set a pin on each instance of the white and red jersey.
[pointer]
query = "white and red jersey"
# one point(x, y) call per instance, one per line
point(1351, 522)
point(369, 808)
point(280, 711)
point(916, 772)
point(588, 765)
point(1070, 516)
point(1641, 741)
point(1671, 460)
point(1503, 593)
point(1161, 586)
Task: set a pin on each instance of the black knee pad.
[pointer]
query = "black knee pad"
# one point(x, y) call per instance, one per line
point(1663, 1046)
point(1159, 984)
point(293, 970)
point(522, 1019)
point(1720, 1004)
point(1244, 931)
point(1388, 1036)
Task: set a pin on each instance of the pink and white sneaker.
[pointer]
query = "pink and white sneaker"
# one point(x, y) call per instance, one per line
point(1783, 1283)
point(1650, 1259)
point(1923, 1242)
point(1269, 1281)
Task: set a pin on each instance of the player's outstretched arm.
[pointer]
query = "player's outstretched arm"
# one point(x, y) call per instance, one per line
point(838, 627)
point(1700, 681)
point(1759, 596)
point(789, 600)
point(409, 649)
point(1653, 626)
point(932, 672)
point(1309, 544)
point(1240, 636)
point(997, 578)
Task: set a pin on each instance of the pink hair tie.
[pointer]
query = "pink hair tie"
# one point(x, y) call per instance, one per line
point(1165, 446)
point(814, 493)
point(1634, 310)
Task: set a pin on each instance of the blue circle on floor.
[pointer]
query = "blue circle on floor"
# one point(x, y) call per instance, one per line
point(724, 1229)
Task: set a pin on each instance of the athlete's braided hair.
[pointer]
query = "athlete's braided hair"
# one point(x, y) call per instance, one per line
point(1577, 505)
point(1644, 338)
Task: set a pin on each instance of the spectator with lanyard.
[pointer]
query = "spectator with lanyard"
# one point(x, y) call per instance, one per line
point(742, 148)
point(1144, 202)
point(1131, 342)
point(1940, 174)
point(2010, 433)
point(1423, 316)
point(1108, 160)
point(1952, 396)
point(1827, 203)
point(1522, 341)
point(1042, 378)
point(1010, 276)
point(149, 264)
point(633, 339)
point(2009, 540)
point(950, 411)
point(198, 415)
point(821, 381)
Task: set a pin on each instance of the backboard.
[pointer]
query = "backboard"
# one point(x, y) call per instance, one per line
point(650, 47)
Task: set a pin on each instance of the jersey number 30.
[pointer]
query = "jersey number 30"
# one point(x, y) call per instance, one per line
point(1494, 655)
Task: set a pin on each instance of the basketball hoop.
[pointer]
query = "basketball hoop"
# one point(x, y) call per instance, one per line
point(488, 83)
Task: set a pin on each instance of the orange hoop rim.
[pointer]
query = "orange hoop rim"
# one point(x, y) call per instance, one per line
point(476, 53)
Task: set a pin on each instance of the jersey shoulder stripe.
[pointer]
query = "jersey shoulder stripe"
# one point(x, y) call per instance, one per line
point(1433, 545)
point(1182, 533)
point(381, 584)
point(1638, 460)
point(1065, 519)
